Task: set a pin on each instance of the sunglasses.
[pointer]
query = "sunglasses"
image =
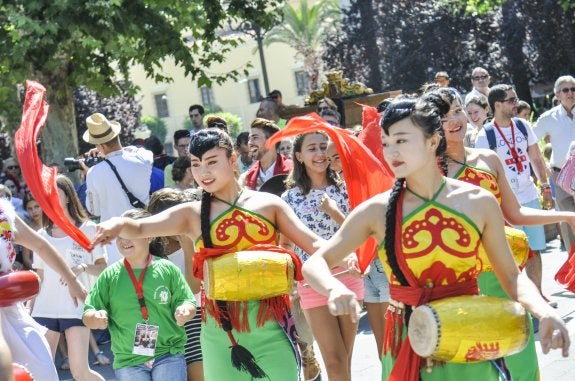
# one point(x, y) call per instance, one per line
point(568, 89)
point(479, 77)
point(320, 109)
point(333, 123)
point(511, 100)
point(12, 167)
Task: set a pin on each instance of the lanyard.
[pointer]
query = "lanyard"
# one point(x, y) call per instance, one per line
point(516, 158)
point(139, 284)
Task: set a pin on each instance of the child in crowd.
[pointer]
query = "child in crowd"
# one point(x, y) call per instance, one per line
point(180, 251)
point(65, 316)
point(144, 314)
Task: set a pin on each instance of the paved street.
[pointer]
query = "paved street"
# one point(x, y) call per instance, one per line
point(366, 365)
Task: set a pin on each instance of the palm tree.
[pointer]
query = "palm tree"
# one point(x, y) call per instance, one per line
point(305, 29)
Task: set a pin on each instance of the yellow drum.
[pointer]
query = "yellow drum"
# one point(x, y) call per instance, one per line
point(468, 329)
point(248, 275)
point(517, 240)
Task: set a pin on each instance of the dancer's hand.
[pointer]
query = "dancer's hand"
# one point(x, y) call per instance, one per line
point(553, 334)
point(343, 301)
point(108, 230)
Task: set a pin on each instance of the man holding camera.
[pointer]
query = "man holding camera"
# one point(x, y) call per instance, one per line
point(106, 197)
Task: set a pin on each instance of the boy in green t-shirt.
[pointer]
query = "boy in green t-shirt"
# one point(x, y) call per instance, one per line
point(144, 302)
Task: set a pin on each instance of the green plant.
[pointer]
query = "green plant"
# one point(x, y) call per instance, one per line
point(156, 125)
point(234, 122)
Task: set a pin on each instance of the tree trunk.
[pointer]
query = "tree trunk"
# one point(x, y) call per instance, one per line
point(372, 52)
point(513, 32)
point(59, 138)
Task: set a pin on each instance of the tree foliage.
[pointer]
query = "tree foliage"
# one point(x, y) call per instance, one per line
point(234, 122)
point(484, 6)
point(122, 108)
point(156, 125)
point(305, 29)
point(67, 44)
point(414, 39)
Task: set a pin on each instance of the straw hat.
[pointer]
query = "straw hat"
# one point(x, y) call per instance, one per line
point(100, 130)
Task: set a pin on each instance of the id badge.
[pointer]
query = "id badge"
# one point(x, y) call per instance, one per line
point(145, 339)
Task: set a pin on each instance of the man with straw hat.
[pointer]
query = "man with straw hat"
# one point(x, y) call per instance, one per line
point(105, 195)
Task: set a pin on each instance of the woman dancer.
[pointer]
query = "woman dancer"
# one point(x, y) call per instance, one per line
point(421, 201)
point(65, 317)
point(233, 220)
point(319, 199)
point(483, 168)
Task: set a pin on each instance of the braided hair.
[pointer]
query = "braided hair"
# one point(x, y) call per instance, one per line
point(425, 113)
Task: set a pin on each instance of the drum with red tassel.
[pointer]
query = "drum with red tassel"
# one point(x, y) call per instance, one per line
point(18, 286)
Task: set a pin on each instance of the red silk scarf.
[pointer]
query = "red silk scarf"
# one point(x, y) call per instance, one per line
point(41, 179)
point(363, 173)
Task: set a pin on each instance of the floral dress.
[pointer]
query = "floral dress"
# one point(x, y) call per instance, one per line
point(306, 207)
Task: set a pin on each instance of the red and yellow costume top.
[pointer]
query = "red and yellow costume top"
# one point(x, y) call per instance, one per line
point(440, 246)
point(437, 249)
point(234, 230)
point(238, 229)
point(487, 180)
point(479, 177)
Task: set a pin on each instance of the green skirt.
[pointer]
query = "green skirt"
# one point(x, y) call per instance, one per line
point(268, 344)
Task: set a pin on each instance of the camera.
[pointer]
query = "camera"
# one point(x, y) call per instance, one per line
point(74, 164)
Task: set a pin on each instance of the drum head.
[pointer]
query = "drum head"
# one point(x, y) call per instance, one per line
point(424, 331)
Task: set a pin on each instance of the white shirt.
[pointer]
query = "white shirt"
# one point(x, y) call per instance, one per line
point(561, 130)
point(104, 194)
point(54, 300)
point(264, 176)
point(521, 182)
point(473, 93)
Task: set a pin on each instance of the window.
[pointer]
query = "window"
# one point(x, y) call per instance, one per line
point(162, 105)
point(301, 82)
point(207, 96)
point(254, 90)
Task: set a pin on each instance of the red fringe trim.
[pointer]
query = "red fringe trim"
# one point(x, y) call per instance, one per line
point(272, 309)
point(393, 338)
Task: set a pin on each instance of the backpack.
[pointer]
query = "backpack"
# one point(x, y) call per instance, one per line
point(490, 132)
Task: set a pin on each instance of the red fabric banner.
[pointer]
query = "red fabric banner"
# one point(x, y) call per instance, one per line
point(363, 173)
point(566, 274)
point(370, 135)
point(41, 180)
